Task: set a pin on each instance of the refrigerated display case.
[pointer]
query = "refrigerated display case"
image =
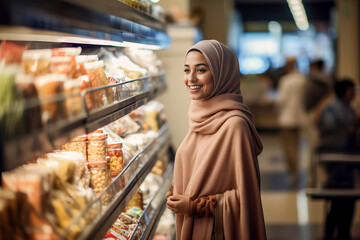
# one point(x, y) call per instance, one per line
point(88, 25)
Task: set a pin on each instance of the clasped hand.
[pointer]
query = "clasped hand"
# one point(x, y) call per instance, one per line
point(179, 204)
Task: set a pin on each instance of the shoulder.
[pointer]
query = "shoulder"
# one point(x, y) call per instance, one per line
point(236, 124)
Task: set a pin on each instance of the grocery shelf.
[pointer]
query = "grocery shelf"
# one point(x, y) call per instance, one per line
point(318, 193)
point(81, 21)
point(141, 164)
point(154, 209)
point(21, 149)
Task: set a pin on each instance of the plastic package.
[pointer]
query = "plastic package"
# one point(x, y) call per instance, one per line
point(99, 177)
point(36, 62)
point(49, 88)
point(96, 147)
point(114, 151)
point(73, 101)
point(61, 65)
point(98, 78)
point(81, 174)
point(71, 51)
point(11, 52)
point(77, 144)
point(36, 183)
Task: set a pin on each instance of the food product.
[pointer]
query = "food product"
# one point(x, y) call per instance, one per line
point(49, 88)
point(99, 176)
point(14, 215)
point(31, 119)
point(134, 212)
point(10, 107)
point(36, 62)
point(77, 144)
point(11, 52)
point(79, 64)
point(136, 201)
point(96, 147)
point(71, 51)
point(35, 182)
point(73, 101)
point(114, 151)
point(98, 78)
point(61, 65)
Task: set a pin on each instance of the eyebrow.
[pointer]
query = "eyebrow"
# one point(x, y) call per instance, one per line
point(197, 65)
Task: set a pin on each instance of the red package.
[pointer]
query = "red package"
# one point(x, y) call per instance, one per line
point(11, 52)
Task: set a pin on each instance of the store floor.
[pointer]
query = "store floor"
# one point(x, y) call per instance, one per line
point(289, 214)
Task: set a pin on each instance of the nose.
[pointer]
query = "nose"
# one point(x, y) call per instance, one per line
point(191, 76)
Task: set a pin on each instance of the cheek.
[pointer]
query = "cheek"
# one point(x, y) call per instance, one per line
point(185, 79)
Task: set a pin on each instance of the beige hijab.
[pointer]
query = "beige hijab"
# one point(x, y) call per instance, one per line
point(219, 154)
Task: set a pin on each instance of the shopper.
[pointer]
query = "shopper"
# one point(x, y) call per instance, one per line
point(216, 184)
point(291, 115)
point(318, 92)
point(337, 128)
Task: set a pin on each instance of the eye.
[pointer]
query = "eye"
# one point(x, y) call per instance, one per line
point(201, 70)
point(186, 70)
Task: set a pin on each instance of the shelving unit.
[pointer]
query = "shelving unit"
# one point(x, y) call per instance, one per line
point(142, 163)
point(346, 158)
point(99, 23)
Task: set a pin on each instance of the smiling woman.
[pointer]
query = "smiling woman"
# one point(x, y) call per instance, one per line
point(198, 77)
point(216, 189)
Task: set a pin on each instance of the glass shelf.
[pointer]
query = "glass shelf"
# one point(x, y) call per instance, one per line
point(21, 148)
point(121, 190)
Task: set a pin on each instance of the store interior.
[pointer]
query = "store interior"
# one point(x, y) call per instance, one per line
point(263, 33)
point(93, 109)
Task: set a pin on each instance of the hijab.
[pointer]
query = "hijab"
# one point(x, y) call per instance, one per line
point(219, 154)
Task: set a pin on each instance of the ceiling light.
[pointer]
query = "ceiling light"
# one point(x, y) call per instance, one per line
point(298, 12)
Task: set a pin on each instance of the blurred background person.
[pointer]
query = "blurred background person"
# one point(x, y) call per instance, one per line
point(291, 114)
point(318, 92)
point(337, 127)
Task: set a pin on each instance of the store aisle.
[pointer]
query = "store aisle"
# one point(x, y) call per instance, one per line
point(289, 214)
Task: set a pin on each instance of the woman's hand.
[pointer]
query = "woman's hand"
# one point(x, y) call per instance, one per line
point(179, 204)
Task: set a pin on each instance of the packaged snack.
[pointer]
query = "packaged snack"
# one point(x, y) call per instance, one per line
point(136, 201)
point(99, 176)
point(73, 100)
point(36, 62)
point(96, 147)
point(79, 64)
point(81, 176)
point(14, 214)
point(61, 65)
point(71, 51)
point(32, 113)
point(35, 182)
point(49, 88)
point(11, 52)
point(97, 78)
point(77, 144)
point(11, 106)
point(134, 212)
point(114, 151)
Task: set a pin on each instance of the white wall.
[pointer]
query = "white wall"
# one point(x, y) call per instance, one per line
point(176, 98)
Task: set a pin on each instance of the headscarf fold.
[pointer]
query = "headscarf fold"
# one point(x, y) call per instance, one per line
point(219, 154)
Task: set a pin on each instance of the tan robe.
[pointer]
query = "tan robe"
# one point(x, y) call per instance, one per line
point(219, 156)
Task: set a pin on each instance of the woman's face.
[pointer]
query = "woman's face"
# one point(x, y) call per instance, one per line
point(198, 78)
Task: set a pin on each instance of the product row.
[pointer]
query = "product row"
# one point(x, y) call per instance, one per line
point(45, 86)
point(64, 191)
point(135, 221)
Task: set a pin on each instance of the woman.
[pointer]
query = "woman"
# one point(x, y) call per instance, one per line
point(216, 189)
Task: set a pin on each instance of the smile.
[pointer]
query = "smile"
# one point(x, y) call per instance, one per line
point(195, 87)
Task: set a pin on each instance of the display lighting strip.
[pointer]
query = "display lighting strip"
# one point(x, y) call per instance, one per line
point(298, 12)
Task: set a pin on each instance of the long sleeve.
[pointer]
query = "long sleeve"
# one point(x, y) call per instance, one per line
point(203, 206)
